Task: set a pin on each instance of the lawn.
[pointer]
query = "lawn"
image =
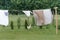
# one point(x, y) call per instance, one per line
point(33, 34)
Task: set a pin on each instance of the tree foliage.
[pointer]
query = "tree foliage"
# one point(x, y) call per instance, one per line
point(28, 4)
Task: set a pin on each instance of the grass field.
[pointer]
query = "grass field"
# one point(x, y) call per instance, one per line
point(33, 34)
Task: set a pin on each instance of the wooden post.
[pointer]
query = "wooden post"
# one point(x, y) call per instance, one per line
point(56, 19)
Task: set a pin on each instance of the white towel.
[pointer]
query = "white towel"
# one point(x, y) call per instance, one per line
point(27, 13)
point(4, 17)
point(48, 16)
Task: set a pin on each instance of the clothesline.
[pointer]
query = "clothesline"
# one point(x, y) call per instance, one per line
point(25, 10)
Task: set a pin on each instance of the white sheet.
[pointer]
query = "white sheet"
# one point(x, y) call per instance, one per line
point(48, 16)
point(4, 17)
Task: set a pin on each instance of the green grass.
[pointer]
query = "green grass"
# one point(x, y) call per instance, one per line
point(33, 34)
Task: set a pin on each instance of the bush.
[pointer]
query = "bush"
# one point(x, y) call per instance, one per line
point(33, 21)
point(40, 27)
point(59, 27)
point(12, 26)
point(18, 23)
point(26, 24)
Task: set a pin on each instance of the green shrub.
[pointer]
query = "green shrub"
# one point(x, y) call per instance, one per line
point(33, 21)
point(18, 23)
point(59, 27)
point(12, 26)
point(40, 27)
point(26, 24)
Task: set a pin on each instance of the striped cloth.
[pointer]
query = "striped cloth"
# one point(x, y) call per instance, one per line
point(43, 17)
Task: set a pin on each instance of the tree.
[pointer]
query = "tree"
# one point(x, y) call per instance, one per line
point(28, 4)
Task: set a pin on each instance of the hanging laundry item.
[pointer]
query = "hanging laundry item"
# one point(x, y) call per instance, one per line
point(43, 17)
point(4, 17)
point(27, 13)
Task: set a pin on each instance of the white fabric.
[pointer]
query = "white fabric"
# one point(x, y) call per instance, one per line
point(27, 13)
point(48, 17)
point(4, 17)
